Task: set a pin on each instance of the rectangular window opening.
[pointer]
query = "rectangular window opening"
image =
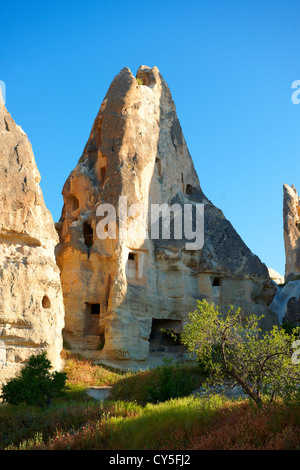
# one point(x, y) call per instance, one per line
point(158, 166)
point(103, 174)
point(92, 319)
point(132, 265)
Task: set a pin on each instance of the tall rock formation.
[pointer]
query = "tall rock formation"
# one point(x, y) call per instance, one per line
point(291, 230)
point(121, 290)
point(286, 303)
point(31, 301)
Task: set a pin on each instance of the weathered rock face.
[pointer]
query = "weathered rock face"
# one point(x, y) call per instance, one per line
point(291, 228)
point(286, 303)
point(120, 291)
point(31, 301)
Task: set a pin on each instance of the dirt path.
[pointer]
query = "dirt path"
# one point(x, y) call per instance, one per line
point(98, 393)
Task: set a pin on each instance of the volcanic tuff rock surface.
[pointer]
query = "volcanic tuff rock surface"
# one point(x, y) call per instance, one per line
point(286, 303)
point(120, 293)
point(31, 301)
point(291, 227)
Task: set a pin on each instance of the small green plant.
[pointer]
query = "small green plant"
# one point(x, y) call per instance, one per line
point(140, 81)
point(36, 385)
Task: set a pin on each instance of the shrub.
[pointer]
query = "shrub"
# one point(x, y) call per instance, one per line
point(172, 382)
point(36, 385)
point(159, 384)
point(234, 346)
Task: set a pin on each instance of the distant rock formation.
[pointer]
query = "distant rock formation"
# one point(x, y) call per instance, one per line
point(31, 301)
point(275, 276)
point(119, 293)
point(1, 97)
point(291, 228)
point(286, 302)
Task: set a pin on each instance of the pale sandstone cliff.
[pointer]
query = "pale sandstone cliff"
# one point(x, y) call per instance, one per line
point(31, 301)
point(291, 229)
point(118, 294)
point(286, 303)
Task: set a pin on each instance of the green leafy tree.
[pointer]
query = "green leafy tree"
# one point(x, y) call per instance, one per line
point(232, 346)
point(36, 384)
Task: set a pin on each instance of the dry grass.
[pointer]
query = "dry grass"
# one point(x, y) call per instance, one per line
point(189, 423)
point(240, 426)
point(83, 373)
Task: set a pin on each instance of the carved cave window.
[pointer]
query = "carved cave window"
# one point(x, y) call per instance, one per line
point(188, 189)
point(216, 282)
point(216, 287)
point(132, 265)
point(158, 166)
point(46, 302)
point(88, 234)
point(103, 172)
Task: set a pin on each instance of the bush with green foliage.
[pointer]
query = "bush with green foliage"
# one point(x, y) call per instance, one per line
point(233, 346)
point(172, 382)
point(158, 384)
point(36, 385)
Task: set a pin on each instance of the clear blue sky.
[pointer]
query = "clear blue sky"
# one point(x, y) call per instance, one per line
point(229, 65)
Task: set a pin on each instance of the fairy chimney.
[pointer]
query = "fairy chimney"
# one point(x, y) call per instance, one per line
point(123, 282)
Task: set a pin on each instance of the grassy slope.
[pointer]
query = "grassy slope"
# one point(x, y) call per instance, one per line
point(125, 422)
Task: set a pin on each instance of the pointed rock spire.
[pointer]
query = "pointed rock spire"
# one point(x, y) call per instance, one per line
point(119, 291)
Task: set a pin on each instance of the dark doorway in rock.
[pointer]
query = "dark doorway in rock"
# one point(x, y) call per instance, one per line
point(88, 234)
point(103, 174)
point(188, 189)
point(92, 319)
point(158, 166)
point(161, 343)
point(93, 333)
point(216, 282)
